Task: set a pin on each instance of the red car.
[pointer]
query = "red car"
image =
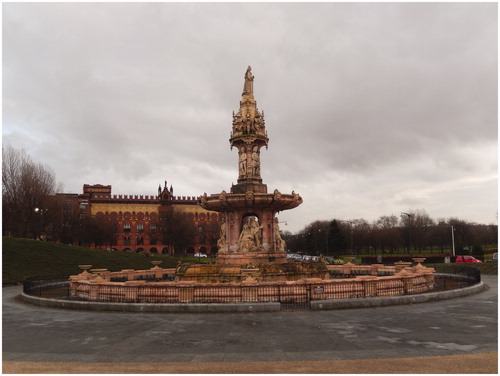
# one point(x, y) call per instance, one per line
point(467, 259)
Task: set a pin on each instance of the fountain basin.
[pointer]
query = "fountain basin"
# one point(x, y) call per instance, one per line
point(249, 284)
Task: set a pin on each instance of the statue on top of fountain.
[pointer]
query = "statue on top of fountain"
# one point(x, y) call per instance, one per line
point(249, 120)
point(248, 86)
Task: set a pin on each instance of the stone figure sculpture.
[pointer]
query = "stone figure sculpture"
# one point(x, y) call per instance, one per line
point(248, 86)
point(279, 243)
point(255, 161)
point(277, 195)
point(255, 231)
point(245, 242)
point(221, 243)
point(243, 162)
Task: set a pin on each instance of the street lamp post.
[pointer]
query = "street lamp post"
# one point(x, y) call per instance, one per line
point(453, 239)
point(41, 211)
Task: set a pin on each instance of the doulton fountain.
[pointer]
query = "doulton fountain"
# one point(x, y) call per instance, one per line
point(250, 244)
point(251, 265)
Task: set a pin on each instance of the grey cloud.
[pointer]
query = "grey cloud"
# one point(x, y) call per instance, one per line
point(363, 100)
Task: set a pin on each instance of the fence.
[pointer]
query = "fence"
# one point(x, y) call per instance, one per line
point(453, 276)
point(297, 294)
point(47, 287)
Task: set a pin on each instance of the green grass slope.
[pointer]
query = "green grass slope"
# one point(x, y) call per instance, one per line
point(484, 267)
point(23, 258)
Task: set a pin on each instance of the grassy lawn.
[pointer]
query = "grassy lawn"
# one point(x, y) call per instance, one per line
point(27, 258)
point(484, 267)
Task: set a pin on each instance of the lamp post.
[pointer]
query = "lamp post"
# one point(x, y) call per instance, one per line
point(452, 239)
point(41, 211)
point(409, 225)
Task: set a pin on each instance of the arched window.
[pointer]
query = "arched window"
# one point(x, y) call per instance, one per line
point(140, 227)
point(126, 227)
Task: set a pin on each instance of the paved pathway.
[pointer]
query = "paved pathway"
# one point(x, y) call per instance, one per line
point(83, 340)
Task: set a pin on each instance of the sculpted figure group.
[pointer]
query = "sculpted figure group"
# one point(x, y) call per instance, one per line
point(250, 236)
point(249, 165)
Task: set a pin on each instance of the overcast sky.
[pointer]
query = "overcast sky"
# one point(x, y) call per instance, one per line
point(371, 109)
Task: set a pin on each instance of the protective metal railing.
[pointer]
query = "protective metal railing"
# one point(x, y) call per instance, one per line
point(292, 294)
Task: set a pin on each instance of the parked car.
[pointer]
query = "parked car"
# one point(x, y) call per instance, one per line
point(494, 258)
point(329, 259)
point(294, 256)
point(200, 255)
point(309, 258)
point(467, 259)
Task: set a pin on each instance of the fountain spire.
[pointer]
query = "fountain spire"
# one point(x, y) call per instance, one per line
point(248, 136)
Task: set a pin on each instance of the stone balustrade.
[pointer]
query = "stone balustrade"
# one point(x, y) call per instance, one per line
point(364, 282)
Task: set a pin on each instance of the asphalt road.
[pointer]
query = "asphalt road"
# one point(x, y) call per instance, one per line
point(461, 332)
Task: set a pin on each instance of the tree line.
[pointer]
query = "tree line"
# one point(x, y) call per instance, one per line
point(410, 232)
point(31, 208)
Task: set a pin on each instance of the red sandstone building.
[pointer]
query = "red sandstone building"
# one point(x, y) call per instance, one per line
point(135, 219)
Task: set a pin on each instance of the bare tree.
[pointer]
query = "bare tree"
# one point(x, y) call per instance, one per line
point(176, 230)
point(388, 234)
point(25, 186)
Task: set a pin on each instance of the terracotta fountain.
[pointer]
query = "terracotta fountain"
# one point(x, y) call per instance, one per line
point(250, 236)
point(251, 265)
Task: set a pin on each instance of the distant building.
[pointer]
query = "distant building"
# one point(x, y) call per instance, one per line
point(135, 219)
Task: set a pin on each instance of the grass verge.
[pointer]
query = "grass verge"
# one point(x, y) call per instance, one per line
point(484, 267)
point(23, 258)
